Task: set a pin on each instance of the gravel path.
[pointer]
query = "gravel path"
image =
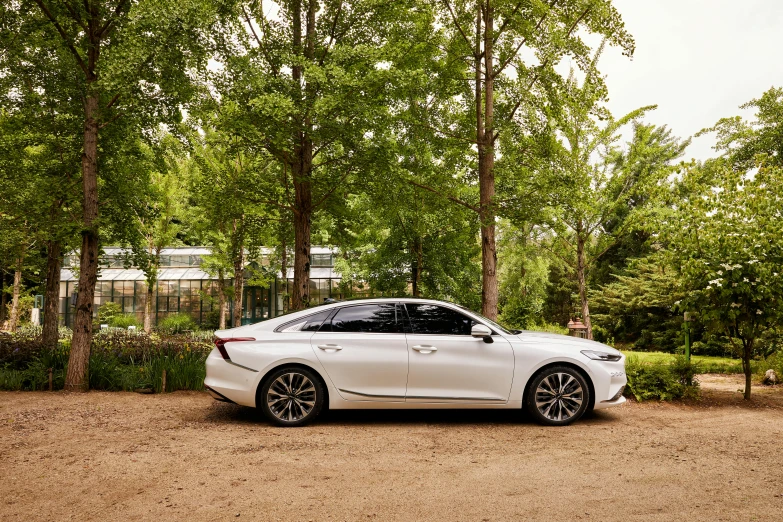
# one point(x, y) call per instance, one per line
point(183, 456)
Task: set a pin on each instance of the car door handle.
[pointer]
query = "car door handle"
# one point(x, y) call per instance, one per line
point(330, 347)
point(425, 348)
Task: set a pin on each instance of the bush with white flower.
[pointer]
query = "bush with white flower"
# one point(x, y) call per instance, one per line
point(727, 242)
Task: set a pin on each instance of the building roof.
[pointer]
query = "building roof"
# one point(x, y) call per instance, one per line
point(121, 274)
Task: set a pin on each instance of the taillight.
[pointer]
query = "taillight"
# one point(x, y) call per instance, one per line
point(220, 344)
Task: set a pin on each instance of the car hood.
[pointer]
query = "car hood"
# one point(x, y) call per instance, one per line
point(565, 341)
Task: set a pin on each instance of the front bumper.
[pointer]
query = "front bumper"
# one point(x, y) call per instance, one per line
point(609, 381)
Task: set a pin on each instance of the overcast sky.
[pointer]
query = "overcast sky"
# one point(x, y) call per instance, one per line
point(697, 59)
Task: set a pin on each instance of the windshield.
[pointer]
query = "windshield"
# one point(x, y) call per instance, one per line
point(493, 323)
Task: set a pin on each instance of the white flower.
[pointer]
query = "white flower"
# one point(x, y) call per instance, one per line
point(745, 280)
point(758, 312)
point(737, 266)
point(735, 305)
point(720, 272)
point(715, 282)
point(726, 266)
point(733, 284)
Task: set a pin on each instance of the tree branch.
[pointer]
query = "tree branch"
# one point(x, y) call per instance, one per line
point(110, 22)
point(459, 27)
point(66, 39)
point(331, 33)
point(450, 198)
point(523, 42)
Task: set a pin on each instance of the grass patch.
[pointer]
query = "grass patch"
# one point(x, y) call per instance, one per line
point(703, 363)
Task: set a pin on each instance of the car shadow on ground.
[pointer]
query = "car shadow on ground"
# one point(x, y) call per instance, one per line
point(242, 415)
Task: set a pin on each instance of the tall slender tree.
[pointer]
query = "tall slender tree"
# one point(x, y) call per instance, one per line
point(129, 60)
point(501, 57)
point(314, 79)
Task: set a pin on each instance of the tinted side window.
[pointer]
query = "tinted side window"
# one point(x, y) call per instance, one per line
point(314, 321)
point(380, 318)
point(306, 324)
point(434, 319)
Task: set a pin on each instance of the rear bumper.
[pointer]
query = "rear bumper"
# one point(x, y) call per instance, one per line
point(217, 395)
point(230, 382)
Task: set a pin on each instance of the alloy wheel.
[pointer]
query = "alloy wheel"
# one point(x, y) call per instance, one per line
point(559, 396)
point(291, 397)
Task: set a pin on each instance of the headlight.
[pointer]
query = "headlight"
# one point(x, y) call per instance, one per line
point(601, 356)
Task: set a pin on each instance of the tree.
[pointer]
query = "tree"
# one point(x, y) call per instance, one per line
point(40, 143)
point(489, 88)
point(399, 240)
point(129, 61)
point(524, 271)
point(313, 84)
point(224, 173)
point(725, 237)
point(742, 141)
point(158, 218)
point(597, 187)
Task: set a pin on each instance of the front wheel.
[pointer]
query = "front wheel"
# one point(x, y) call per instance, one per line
point(291, 397)
point(557, 396)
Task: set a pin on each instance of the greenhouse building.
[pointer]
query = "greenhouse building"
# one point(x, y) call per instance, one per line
point(183, 287)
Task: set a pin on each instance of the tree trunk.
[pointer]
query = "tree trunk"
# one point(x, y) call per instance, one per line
point(301, 286)
point(221, 300)
point(747, 351)
point(486, 161)
point(52, 294)
point(582, 282)
point(148, 307)
point(3, 301)
point(79, 360)
point(417, 266)
point(301, 170)
point(13, 320)
point(239, 278)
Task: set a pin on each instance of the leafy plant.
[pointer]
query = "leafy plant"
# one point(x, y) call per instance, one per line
point(176, 324)
point(660, 381)
point(124, 321)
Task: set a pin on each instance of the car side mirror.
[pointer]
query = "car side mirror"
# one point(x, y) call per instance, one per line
point(482, 332)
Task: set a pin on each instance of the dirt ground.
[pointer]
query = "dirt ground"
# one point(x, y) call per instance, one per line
point(183, 456)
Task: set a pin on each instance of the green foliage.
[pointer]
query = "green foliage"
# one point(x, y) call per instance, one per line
point(177, 324)
point(108, 311)
point(549, 328)
point(773, 362)
point(124, 321)
point(523, 281)
point(639, 308)
point(660, 381)
point(119, 360)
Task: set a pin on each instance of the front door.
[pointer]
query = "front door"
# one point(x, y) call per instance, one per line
point(364, 351)
point(448, 365)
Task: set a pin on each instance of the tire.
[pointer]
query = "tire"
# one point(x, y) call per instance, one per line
point(557, 396)
point(291, 397)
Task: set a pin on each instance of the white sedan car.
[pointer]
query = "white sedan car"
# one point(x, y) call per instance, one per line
point(408, 353)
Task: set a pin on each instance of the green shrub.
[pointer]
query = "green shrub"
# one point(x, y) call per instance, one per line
point(176, 324)
point(108, 311)
point(773, 362)
point(124, 321)
point(663, 381)
point(549, 328)
point(119, 360)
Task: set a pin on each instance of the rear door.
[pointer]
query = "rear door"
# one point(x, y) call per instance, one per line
point(446, 364)
point(364, 351)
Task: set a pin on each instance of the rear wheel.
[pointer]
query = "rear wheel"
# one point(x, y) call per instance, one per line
point(557, 396)
point(291, 397)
